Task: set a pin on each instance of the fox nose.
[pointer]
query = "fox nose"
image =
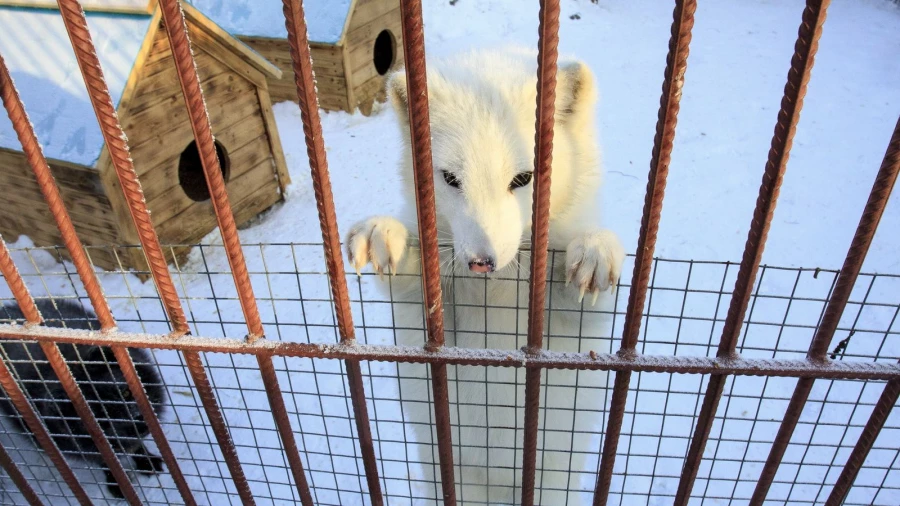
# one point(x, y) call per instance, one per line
point(482, 265)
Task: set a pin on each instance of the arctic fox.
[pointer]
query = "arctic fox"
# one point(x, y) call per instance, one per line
point(482, 107)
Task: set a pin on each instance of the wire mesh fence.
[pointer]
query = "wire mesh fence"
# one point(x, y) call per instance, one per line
point(329, 397)
point(686, 309)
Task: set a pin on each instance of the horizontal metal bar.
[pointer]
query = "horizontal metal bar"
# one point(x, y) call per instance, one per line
point(801, 368)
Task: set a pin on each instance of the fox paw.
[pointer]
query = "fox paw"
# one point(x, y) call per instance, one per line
point(380, 240)
point(594, 263)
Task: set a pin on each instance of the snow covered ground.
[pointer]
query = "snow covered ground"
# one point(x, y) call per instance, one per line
point(736, 73)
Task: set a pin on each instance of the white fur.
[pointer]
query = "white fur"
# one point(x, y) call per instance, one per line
point(482, 107)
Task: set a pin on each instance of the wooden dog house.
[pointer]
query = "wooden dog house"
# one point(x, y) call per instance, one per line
point(354, 44)
point(139, 68)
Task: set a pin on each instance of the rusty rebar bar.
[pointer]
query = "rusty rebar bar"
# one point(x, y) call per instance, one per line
point(856, 255)
point(548, 42)
point(283, 423)
point(12, 470)
point(866, 440)
point(117, 144)
point(423, 174)
point(788, 116)
point(57, 362)
point(304, 80)
point(14, 391)
point(47, 184)
point(70, 385)
point(663, 143)
point(591, 361)
point(41, 434)
point(180, 44)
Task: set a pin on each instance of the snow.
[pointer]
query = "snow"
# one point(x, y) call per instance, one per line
point(37, 52)
point(736, 72)
point(325, 18)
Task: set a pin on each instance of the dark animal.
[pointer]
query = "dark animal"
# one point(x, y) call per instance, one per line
point(101, 381)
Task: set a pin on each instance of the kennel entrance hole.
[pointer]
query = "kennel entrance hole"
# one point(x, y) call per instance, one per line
point(190, 171)
point(383, 54)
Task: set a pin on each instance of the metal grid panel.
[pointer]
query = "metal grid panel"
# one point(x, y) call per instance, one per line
point(241, 439)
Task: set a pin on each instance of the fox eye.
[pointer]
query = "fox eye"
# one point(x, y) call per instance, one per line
point(451, 179)
point(521, 179)
point(126, 394)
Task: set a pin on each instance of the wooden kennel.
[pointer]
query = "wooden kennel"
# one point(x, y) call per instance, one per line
point(354, 44)
point(137, 63)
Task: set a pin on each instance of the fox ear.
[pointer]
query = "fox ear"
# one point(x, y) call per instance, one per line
point(396, 92)
point(576, 94)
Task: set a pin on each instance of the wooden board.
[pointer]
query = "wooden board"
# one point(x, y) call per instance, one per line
point(27, 211)
point(328, 67)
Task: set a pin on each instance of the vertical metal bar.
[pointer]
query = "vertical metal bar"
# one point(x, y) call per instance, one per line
point(788, 116)
point(15, 393)
point(869, 434)
point(116, 143)
point(67, 381)
point(18, 478)
point(856, 255)
point(423, 172)
point(32, 149)
point(295, 24)
point(36, 426)
point(279, 411)
point(180, 44)
point(663, 142)
point(548, 40)
point(58, 363)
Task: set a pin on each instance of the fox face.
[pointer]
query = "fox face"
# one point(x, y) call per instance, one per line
point(483, 138)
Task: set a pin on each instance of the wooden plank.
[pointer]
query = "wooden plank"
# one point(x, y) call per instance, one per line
point(226, 40)
point(168, 97)
point(362, 53)
point(170, 200)
point(367, 10)
point(249, 195)
point(365, 33)
point(281, 170)
point(158, 126)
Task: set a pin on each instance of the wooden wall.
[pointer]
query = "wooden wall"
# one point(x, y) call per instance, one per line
point(328, 66)
point(26, 212)
point(370, 18)
point(158, 128)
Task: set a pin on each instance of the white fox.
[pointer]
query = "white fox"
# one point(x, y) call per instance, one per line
point(482, 107)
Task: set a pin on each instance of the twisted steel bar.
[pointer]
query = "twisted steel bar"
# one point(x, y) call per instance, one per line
point(283, 423)
point(304, 80)
point(67, 381)
point(467, 356)
point(12, 470)
point(423, 174)
point(180, 44)
point(865, 442)
point(856, 255)
point(117, 144)
point(15, 393)
point(32, 149)
point(548, 41)
point(788, 116)
point(663, 142)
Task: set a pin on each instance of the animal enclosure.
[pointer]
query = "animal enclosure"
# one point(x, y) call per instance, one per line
point(138, 61)
point(293, 394)
point(354, 44)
